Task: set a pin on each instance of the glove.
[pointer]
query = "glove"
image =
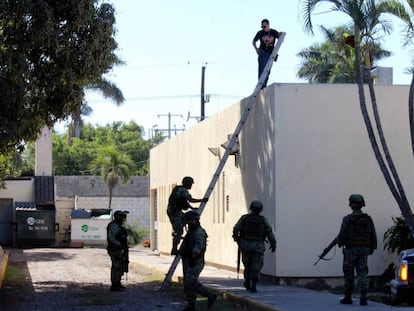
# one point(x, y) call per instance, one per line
point(272, 248)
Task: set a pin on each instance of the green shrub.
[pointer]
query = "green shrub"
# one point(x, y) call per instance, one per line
point(135, 235)
point(398, 237)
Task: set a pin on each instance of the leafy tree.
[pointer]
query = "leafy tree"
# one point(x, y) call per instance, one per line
point(75, 159)
point(366, 16)
point(50, 50)
point(108, 90)
point(398, 237)
point(113, 166)
point(406, 14)
point(332, 61)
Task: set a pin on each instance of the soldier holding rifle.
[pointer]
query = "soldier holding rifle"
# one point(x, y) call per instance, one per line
point(358, 238)
point(117, 237)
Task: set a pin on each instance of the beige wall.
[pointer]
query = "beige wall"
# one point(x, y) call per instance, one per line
point(20, 190)
point(304, 150)
point(43, 154)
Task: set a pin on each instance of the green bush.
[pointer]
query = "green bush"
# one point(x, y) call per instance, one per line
point(398, 237)
point(135, 235)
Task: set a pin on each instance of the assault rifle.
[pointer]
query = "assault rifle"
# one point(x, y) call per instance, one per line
point(238, 258)
point(125, 261)
point(326, 251)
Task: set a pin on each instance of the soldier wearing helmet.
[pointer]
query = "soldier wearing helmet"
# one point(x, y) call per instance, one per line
point(358, 238)
point(178, 202)
point(117, 238)
point(192, 251)
point(250, 232)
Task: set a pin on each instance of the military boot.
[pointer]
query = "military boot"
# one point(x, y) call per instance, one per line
point(363, 300)
point(246, 284)
point(347, 300)
point(253, 288)
point(211, 300)
point(116, 288)
point(190, 307)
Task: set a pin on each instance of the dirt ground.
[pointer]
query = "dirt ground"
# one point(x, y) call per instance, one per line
point(78, 279)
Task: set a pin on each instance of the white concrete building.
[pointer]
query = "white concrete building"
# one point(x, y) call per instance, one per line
point(303, 150)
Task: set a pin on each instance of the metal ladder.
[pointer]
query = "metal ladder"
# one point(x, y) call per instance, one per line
point(230, 145)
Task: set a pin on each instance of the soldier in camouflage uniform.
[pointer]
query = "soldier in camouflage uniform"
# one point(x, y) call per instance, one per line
point(358, 237)
point(192, 251)
point(177, 202)
point(250, 233)
point(117, 238)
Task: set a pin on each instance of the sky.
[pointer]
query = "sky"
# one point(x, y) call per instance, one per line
point(165, 44)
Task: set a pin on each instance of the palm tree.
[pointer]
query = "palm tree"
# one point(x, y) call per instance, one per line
point(406, 14)
point(113, 166)
point(108, 90)
point(332, 61)
point(367, 23)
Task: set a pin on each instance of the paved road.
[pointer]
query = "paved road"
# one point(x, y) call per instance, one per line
point(78, 279)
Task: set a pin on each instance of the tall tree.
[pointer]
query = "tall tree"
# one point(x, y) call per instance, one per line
point(366, 16)
point(50, 50)
point(113, 166)
point(406, 14)
point(108, 90)
point(332, 61)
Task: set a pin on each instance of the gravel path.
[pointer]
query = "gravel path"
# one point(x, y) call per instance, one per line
point(55, 279)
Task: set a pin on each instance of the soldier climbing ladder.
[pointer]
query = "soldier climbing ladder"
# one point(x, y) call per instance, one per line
point(230, 145)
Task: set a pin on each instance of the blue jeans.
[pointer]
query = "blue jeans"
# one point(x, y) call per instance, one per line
point(263, 58)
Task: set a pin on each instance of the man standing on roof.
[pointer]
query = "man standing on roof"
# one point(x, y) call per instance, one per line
point(177, 203)
point(267, 37)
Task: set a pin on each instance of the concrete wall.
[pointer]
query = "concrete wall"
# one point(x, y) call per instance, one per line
point(304, 149)
point(18, 189)
point(90, 192)
point(43, 154)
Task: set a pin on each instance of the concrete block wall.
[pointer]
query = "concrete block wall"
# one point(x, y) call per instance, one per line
point(64, 207)
point(138, 208)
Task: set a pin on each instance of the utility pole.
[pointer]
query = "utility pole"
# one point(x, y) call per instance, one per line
point(169, 115)
point(203, 71)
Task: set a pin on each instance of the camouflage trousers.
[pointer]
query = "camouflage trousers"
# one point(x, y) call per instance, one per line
point(177, 222)
point(191, 271)
point(252, 258)
point(116, 267)
point(355, 259)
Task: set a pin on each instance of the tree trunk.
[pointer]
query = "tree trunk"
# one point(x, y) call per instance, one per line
point(411, 110)
point(399, 197)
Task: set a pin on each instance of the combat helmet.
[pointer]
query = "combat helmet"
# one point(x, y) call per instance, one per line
point(120, 215)
point(356, 200)
point(256, 206)
point(191, 215)
point(187, 181)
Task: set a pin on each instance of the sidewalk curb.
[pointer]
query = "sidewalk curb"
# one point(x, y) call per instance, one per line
point(241, 300)
point(4, 258)
point(247, 302)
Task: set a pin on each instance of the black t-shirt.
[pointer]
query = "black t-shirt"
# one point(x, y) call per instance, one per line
point(267, 39)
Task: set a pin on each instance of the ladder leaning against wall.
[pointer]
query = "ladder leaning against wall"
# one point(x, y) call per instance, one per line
point(230, 145)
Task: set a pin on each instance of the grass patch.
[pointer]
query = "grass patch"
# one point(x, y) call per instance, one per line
point(13, 273)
